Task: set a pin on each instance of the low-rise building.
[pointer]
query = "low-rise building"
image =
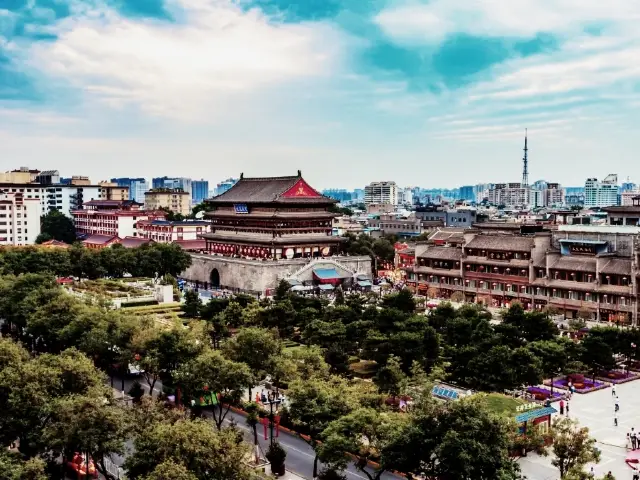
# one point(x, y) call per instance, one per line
point(19, 219)
point(166, 231)
point(114, 218)
point(403, 227)
point(173, 199)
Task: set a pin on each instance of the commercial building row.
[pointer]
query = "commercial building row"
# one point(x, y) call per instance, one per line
point(574, 268)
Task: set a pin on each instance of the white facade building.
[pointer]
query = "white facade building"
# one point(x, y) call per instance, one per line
point(510, 195)
point(381, 193)
point(67, 198)
point(601, 194)
point(165, 231)
point(19, 219)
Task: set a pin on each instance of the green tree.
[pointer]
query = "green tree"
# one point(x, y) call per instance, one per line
point(314, 404)
point(192, 304)
point(169, 470)
point(56, 225)
point(13, 467)
point(257, 347)
point(391, 379)
point(210, 373)
point(460, 440)
point(364, 433)
point(553, 357)
point(89, 425)
point(402, 301)
point(573, 448)
point(233, 314)
point(206, 453)
point(32, 391)
point(597, 355)
point(533, 325)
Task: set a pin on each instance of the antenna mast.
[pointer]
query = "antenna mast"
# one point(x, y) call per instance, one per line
point(525, 163)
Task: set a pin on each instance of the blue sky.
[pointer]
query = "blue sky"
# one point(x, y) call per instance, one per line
point(431, 93)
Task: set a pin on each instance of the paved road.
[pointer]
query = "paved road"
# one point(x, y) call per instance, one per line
point(299, 454)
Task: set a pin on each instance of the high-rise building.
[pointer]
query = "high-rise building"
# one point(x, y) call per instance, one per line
point(199, 191)
point(510, 195)
point(137, 187)
point(382, 193)
point(172, 183)
point(176, 200)
point(553, 195)
point(19, 219)
point(225, 185)
point(468, 193)
point(601, 194)
point(358, 194)
point(339, 194)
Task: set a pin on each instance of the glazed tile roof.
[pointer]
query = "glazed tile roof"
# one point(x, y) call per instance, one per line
point(575, 264)
point(442, 253)
point(266, 190)
point(501, 242)
point(133, 242)
point(100, 239)
point(192, 244)
point(618, 266)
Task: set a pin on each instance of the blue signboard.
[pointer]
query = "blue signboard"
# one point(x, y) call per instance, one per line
point(241, 208)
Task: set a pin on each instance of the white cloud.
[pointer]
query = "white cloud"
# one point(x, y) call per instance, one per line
point(415, 21)
point(185, 69)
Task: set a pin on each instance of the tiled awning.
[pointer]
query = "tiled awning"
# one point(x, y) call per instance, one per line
point(364, 283)
point(325, 286)
point(534, 414)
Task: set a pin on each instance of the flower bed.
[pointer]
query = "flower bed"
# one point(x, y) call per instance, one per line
point(541, 393)
point(618, 376)
point(587, 385)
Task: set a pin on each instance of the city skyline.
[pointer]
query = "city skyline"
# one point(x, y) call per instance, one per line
point(436, 93)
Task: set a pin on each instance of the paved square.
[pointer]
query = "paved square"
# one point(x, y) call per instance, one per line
point(595, 410)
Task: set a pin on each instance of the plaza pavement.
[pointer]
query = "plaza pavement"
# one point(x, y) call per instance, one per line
point(595, 411)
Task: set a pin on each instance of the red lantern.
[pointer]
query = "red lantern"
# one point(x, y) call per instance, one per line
point(137, 357)
point(206, 388)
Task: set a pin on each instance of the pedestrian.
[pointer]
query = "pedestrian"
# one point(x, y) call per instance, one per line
point(615, 419)
point(617, 405)
point(561, 407)
point(567, 408)
point(634, 439)
point(627, 444)
point(636, 476)
point(613, 389)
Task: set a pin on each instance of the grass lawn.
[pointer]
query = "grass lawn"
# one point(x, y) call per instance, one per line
point(364, 368)
point(502, 404)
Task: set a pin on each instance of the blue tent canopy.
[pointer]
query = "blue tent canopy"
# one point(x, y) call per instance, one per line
point(326, 273)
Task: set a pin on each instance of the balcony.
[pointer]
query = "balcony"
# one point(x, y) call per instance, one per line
point(454, 272)
point(520, 263)
point(488, 276)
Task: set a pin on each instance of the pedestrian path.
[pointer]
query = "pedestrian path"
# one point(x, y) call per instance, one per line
point(596, 410)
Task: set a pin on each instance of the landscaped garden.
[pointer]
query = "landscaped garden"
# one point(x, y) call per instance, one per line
point(580, 382)
point(541, 393)
point(618, 376)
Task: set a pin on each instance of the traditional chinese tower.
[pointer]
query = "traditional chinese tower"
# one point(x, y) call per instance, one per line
point(271, 217)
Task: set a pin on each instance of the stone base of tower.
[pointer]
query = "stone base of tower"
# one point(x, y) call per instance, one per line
point(258, 276)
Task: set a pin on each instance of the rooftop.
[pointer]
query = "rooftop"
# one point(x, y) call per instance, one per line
point(100, 239)
point(134, 242)
point(442, 253)
point(501, 242)
point(293, 189)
